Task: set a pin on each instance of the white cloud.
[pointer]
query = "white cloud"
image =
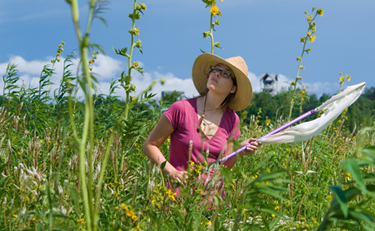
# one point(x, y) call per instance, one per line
point(106, 69)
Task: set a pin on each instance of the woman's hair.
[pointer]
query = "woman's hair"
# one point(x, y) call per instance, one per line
point(230, 97)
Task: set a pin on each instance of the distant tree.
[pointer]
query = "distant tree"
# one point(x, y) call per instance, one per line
point(370, 93)
point(172, 97)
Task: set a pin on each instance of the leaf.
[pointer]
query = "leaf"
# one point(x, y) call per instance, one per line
point(352, 167)
point(162, 166)
point(341, 198)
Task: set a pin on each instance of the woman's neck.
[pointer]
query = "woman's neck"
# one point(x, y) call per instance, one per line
point(213, 101)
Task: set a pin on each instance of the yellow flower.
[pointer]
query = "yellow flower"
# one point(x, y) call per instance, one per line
point(277, 207)
point(134, 218)
point(312, 39)
point(342, 78)
point(214, 10)
point(41, 141)
point(276, 202)
point(268, 122)
point(349, 77)
point(309, 18)
point(124, 207)
point(81, 221)
point(168, 140)
point(191, 162)
point(254, 177)
point(14, 215)
point(171, 194)
point(320, 12)
point(153, 200)
point(309, 33)
point(208, 223)
point(273, 215)
point(130, 213)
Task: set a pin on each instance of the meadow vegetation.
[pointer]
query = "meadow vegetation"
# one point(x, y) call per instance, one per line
point(69, 164)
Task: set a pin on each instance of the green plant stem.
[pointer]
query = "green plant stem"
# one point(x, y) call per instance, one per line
point(211, 34)
point(88, 119)
point(295, 85)
point(130, 56)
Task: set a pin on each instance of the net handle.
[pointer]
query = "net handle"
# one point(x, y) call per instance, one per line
point(282, 127)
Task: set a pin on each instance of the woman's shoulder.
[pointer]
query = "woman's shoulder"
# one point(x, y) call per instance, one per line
point(232, 114)
point(184, 104)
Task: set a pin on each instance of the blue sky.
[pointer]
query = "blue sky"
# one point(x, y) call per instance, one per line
point(266, 33)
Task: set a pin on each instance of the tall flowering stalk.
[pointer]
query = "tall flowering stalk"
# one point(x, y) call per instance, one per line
point(310, 37)
point(342, 79)
point(125, 79)
point(214, 11)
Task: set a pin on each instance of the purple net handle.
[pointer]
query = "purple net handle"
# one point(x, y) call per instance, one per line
point(299, 118)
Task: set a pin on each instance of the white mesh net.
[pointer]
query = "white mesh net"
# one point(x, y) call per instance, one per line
point(332, 109)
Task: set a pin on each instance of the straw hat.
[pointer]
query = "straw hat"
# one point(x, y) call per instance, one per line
point(201, 70)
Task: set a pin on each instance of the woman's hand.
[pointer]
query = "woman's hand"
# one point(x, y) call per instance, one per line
point(180, 176)
point(250, 149)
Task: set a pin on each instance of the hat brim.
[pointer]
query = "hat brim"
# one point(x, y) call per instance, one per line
point(201, 70)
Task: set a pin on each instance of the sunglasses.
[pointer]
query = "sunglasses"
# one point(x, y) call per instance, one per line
point(224, 73)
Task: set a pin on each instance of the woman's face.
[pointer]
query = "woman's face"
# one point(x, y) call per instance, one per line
point(219, 81)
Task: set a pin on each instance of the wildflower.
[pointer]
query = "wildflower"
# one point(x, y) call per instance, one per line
point(303, 92)
point(14, 215)
point(41, 141)
point(312, 39)
point(208, 223)
point(81, 221)
point(348, 176)
point(309, 33)
point(134, 218)
point(273, 215)
point(320, 12)
point(19, 153)
point(130, 213)
point(153, 200)
point(329, 197)
point(191, 163)
point(275, 202)
point(91, 61)
point(135, 64)
point(277, 207)
point(309, 18)
point(124, 207)
point(268, 122)
point(254, 177)
point(168, 140)
point(349, 77)
point(198, 169)
point(214, 10)
point(299, 77)
point(171, 194)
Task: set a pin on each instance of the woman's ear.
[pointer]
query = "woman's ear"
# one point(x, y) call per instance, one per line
point(234, 89)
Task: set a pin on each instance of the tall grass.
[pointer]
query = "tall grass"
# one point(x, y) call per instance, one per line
point(72, 165)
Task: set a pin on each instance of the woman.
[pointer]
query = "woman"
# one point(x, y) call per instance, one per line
point(224, 88)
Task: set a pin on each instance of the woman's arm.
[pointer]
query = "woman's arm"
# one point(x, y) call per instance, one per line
point(248, 151)
point(159, 134)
